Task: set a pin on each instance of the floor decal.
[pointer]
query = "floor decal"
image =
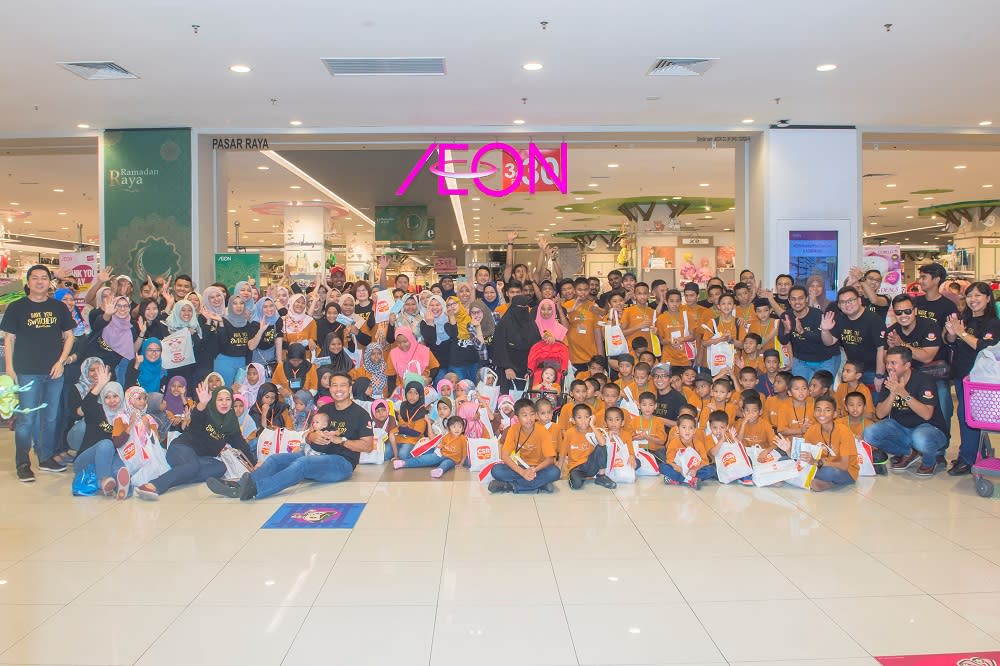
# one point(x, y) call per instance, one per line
point(956, 659)
point(315, 516)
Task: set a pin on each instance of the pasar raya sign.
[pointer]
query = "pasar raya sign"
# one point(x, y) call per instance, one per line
point(530, 170)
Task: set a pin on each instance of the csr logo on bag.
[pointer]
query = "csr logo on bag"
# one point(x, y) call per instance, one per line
point(382, 307)
point(728, 459)
point(720, 359)
point(294, 443)
point(619, 462)
point(128, 451)
point(617, 339)
point(484, 452)
point(174, 349)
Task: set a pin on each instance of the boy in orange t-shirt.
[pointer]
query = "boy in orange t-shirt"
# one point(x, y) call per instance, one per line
point(850, 381)
point(528, 456)
point(839, 463)
point(687, 436)
point(795, 415)
point(722, 391)
point(856, 418)
point(650, 430)
point(582, 454)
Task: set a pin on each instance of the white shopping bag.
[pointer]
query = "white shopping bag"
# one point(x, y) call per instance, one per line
point(628, 403)
point(515, 392)
point(145, 460)
point(720, 357)
point(489, 393)
point(482, 452)
point(768, 474)
point(426, 446)
point(485, 475)
point(279, 440)
point(687, 459)
point(648, 465)
point(864, 457)
point(732, 462)
point(236, 463)
point(178, 350)
point(615, 343)
point(804, 477)
point(618, 470)
point(377, 455)
point(383, 305)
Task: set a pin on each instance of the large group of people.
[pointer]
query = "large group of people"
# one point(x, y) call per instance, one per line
point(568, 379)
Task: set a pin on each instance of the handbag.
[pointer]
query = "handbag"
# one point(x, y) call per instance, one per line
point(145, 460)
point(720, 357)
point(426, 446)
point(236, 463)
point(804, 477)
point(614, 340)
point(515, 392)
point(937, 370)
point(377, 455)
point(687, 458)
point(482, 452)
point(648, 465)
point(732, 462)
point(85, 482)
point(618, 469)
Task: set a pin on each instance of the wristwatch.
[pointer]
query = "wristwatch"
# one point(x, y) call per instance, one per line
point(879, 375)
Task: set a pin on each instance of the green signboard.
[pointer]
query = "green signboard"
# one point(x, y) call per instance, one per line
point(404, 225)
point(233, 267)
point(147, 202)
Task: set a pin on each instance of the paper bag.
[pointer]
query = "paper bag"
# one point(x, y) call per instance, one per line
point(732, 462)
point(178, 350)
point(383, 305)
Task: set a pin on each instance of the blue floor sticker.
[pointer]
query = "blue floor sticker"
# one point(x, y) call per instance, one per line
point(315, 516)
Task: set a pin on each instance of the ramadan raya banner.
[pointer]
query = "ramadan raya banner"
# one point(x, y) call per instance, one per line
point(147, 201)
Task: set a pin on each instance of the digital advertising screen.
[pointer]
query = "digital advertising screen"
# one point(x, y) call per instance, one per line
point(814, 253)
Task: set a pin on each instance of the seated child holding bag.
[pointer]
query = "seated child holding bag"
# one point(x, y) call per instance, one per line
point(650, 430)
point(838, 464)
point(689, 440)
point(615, 430)
point(582, 454)
point(527, 456)
point(411, 422)
point(449, 452)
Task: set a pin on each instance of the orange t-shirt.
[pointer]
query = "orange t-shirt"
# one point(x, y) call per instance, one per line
point(789, 416)
point(533, 448)
point(763, 330)
point(675, 445)
point(723, 327)
point(636, 315)
point(771, 406)
point(840, 395)
point(840, 441)
point(655, 426)
point(580, 336)
point(454, 447)
point(710, 406)
point(757, 434)
point(599, 421)
point(669, 327)
point(857, 428)
point(575, 447)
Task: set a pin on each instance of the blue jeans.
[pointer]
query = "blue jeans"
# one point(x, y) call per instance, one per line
point(464, 371)
point(840, 477)
point(263, 356)
point(430, 459)
point(39, 425)
point(968, 447)
point(227, 367)
point(808, 368)
point(103, 456)
point(868, 379)
point(944, 399)
point(284, 470)
point(186, 466)
point(706, 473)
point(898, 440)
point(545, 475)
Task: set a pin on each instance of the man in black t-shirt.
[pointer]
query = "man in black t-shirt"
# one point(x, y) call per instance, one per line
point(912, 428)
point(933, 304)
point(668, 401)
point(615, 282)
point(331, 455)
point(38, 337)
point(800, 327)
point(921, 335)
point(860, 333)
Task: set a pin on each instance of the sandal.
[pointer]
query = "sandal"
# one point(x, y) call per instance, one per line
point(124, 480)
point(147, 492)
point(108, 487)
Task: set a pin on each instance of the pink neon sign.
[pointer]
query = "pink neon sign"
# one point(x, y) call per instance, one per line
point(532, 166)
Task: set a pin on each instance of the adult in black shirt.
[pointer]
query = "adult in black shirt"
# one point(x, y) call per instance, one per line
point(933, 304)
point(193, 456)
point(860, 333)
point(38, 337)
point(266, 314)
point(920, 334)
point(911, 426)
point(615, 281)
point(800, 326)
point(332, 456)
point(668, 401)
point(148, 323)
point(238, 337)
point(976, 329)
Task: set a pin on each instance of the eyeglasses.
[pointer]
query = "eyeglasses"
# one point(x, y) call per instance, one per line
point(847, 301)
point(907, 311)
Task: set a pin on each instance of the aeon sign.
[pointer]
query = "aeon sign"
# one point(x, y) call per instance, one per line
point(532, 170)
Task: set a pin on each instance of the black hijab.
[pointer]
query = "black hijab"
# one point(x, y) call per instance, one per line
point(410, 410)
point(277, 407)
point(339, 362)
point(518, 324)
point(296, 350)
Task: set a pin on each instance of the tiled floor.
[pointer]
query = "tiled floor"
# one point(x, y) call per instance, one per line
point(442, 573)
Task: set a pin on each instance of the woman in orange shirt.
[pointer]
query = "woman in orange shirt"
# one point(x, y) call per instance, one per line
point(372, 368)
point(299, 326)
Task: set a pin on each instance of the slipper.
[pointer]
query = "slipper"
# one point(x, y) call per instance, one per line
point(124, 480)
point(108, 487)
point(148, 495)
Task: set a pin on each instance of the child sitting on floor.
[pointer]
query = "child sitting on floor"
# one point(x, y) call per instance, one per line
point(688, 437)
point(582, 454)
point(449, 452)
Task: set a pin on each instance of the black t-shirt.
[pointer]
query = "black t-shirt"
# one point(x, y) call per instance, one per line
point(353, 422)
point(39, 328)
point(783, 302)
point(986, 330)
point(156, 329)
point(206, 441)
point(937, 311)
point(668, 405)
point(925, 333)
point(879, 311)
point(233, 340)
point(807, 345)
point(924, 390)
point(271, 334)
point(210, 347)
point(860, 338)
point(96, 422)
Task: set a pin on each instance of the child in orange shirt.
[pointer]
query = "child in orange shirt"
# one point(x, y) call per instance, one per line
point(747, 382)
point(839, 464)
point(687, 436)
point(614, 419)
point(578, 396)
point(582, 454)
point(795, 415)
point(778, 397)
point(850, 381)
point(449, 452)
point(625, 365)
point(722, 393)
point(610, 395)
point(528, 456)
point(640, 382)
point(702, 393)
point(857, 418)
point(755, 431)
point(650, 430)
point(820, 384)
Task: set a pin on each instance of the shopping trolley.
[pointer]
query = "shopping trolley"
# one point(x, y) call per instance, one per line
point(982, 410)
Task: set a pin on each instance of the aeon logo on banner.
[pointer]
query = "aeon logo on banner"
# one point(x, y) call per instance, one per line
point(532, 170)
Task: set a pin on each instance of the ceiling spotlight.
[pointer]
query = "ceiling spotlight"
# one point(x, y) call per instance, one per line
point(475, 210)
point(675, 198)
point(702, 184)
point(475, 218)
point(58, 190)
point(62, 212)
point(578, 198)
point(613, 166)
point(559, 217)
point(531, 66)
point(883, 208)
point(263, 168)
point(239, 69)
point(232, 210)
point(591, 184)
point(747, 121)
point(475, 198)
point(986, 123)
point(959, 166)
point(874, 224)
point(726, 229)
point(295, 187)
point(909, 217)
point(826, 68)
point(928, 198)
point(255, 219)
point(519, 121)
point(14, 203)
point(82, 126)
point(987, 186)
point(295, 123)
point(890, 185)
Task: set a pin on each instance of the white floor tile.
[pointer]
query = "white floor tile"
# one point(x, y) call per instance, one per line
point(583, 514)
point(928, 505)
point(697, 542)
point(504, 512)
point(293, 546)
point(501, 635)
point(596, 543)
point(967, 532)
point(495, 543)
point(386, 545)
point(687, 511)
point(226, 514)
point(980, 609)
point(211, 636)
point(150, 583)
point(843, 575)
point(991, 554)
point(194, 544)
point(19, 621)
point(96, 544)
point(18, 543)
point(797, 536)
point(504, 582)
point(639, 634)
point(591, 582)
point(381, 584)
point(742, 630)
point(730, 579)
point(92, 635)
point(900, 536)
point(383, 512)
point(906, 625)
point(49, 582)
point(364, 636)
point(954, 572)
point(265, 584)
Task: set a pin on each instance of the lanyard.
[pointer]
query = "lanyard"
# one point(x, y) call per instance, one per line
point(520, 444)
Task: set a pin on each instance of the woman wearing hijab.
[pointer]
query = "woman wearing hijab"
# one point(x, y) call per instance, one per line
point(269, 412)
point(156, 408)
point(411, 420)
point(457, 328)
point(176, 403)
point(373, 368)
point(323, 375)
point(134, 426)
point(547, 321)
point(340, 360)
point(302, 409)
point(328, 324)
point(491, 297)
point(193, 455)
point(470, 351)
point(299, 326)
point(210, 319)
point(147, 370)
point(294, 373)
point(68, 297)
point(245, 291)
point(101, 405)
point(148, 323)
point(238, 337)
point(410, 315)
point(256, 376)
point(816, 293)
point(433, 330)
point(408, 356)
point(247, 427)
point(184, 316)
point(112, 335)
point(271, 323)
point(514, 337)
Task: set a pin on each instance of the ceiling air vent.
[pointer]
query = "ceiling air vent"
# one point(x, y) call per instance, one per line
point(98, 70)
point(680, 66)
point(385, 66)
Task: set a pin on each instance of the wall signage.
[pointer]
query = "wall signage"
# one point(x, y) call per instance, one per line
point(696, 240)
point(240, 143)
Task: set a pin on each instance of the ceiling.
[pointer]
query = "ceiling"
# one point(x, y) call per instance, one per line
point(595, 56)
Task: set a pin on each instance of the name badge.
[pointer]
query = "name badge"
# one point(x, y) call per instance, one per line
point(295, 384)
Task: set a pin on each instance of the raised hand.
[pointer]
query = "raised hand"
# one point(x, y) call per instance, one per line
point(204, 395)
point(511, 236)
point(828, 322)
point(141, 323)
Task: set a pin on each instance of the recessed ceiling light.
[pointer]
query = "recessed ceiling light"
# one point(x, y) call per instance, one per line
point(255, 219)
point(907, 238)
point(295, 123)
point(475, 198)
point(987, 185)
point(295, 187)
point(263, 168)
point(874, 224)
point(359, 224)
point(689, 223)
point(883, 208)
point(613, 166)
point(27, 221)
point(702, 184)
point(909, 217)
point(578, 198)
point(986, 123)
point(552, 224)
point(675, 198)
point(732, 208)
point(58, 189)
point(474, 210)
point(826, 68)
point(232, 210)
point(519, 122)
point(64, 228)
point(14, 203)
point(567, 208)
point(239, 69)
point(747, 121)
point(531, 66)
point(62, 212)
point(475, 218)
point(727, 229)
point(82, 126)
point(890, 185)
point(928, 198)
point(559, 217)
point(959, 166)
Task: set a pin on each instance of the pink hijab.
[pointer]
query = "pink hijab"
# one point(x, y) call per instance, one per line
point(551, 325)
point(417, 352)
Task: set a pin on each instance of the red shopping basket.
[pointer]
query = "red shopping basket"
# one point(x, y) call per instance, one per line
point(982, 405)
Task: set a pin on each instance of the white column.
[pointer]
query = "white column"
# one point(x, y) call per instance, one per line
point(304, 239)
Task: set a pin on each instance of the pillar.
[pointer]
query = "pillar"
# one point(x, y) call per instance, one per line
point(305, 250)
point(799, 203)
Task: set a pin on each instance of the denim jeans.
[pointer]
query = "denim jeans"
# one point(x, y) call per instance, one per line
point(595, 463)
point(706, 473)
point(898, 440)
point(868, 379)
point(103, 456)
point(39, 425)
point(840, 477)
point(968, 447)
point(546, 475)
point(944, 399)
point(227, 367)
point(430, 459)
point(808, 368)
point(464, 371)
point(186, 466)
point(284, 470)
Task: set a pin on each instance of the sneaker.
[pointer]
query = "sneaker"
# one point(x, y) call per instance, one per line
point(500, 487)
point(694, 482)
point(926, 470)
point(667, 481)
point(959, 468)
point(906, 462)
point(547, 488)
point(51, 465)
point(603, 481)
point(576, 478)
point(123, 479)
point(880, 461)
point(148, 495)
point(247, 488)
point(895, 459)
point(223, 488)
point(746, 481)
point(819, 485)
point(24, 473)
